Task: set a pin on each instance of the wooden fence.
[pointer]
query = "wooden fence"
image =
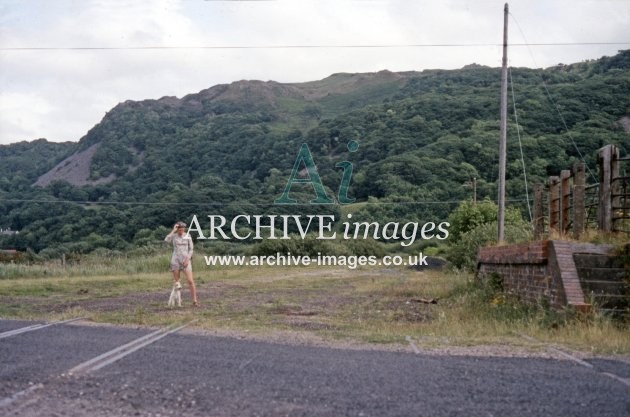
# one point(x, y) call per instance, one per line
point(572, 205)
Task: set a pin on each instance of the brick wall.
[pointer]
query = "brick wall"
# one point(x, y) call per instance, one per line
point(535, 271)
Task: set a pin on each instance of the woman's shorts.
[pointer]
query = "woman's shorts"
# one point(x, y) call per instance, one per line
point(179, 266)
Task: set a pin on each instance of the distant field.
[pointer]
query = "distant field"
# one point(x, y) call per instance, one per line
point(371, 305)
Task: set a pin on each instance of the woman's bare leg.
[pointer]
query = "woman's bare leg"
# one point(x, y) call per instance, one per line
point(176, 276)
point(191, 285)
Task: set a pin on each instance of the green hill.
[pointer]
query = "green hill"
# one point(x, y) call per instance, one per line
point(229, 149)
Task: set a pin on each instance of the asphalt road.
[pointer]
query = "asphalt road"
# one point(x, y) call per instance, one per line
point(183, 374)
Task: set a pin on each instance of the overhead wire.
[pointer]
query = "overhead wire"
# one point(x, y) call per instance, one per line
point(303, 46)
point(520, 146)
point(168, 203)
point(333, 46)
point(553, 102)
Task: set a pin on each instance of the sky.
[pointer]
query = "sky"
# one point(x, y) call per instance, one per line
point(52, 87)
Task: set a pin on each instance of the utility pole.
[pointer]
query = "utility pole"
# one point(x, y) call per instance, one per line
point(503, 133)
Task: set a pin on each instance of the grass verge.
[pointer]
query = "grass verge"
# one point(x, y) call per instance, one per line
point(363, 305)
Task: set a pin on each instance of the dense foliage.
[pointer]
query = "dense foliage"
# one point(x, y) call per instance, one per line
point(475, 225)
point(21, 163)
point(229, 150)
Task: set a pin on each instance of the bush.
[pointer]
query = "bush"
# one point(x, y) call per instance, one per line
point(468, 215)
point(271, 247)
point(53, 252)
point(311, 246)
point(364, 247)
point(220, 247)
point(463, 252)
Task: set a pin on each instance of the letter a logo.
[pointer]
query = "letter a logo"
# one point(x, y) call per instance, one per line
point(304, 156)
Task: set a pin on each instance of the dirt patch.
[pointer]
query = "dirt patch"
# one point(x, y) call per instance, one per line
point(75, 169)
point(410, 312)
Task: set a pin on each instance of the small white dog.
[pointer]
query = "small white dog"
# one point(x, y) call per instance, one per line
point(176, 295)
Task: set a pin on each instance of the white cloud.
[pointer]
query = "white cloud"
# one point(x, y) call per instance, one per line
point(60, 94)
point(15, 120)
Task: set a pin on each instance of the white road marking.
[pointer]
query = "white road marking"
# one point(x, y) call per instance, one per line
point(10, 400)
point(21, 330)
point(570, 357)
point(625, 381)
point(247, 362)
point(87, 364)
point(557, 351)
point(99, 361)
point(120, 352)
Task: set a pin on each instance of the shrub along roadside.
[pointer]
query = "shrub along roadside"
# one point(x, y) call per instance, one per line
point(463, 253)
point(475, 225)
point(311, 246)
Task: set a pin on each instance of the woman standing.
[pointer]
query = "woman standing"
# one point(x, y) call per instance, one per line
point(182, 255)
